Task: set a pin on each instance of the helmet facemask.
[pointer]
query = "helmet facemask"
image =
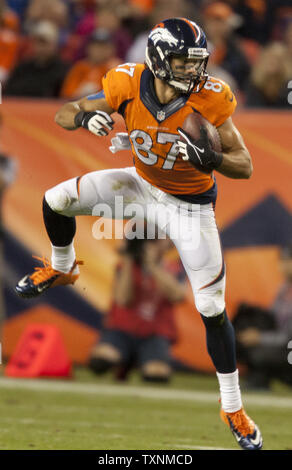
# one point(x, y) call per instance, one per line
point(190, 82)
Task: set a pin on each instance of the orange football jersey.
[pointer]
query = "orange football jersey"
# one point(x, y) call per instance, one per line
point(152, 127)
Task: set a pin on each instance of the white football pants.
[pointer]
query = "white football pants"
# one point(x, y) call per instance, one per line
point(191, 227)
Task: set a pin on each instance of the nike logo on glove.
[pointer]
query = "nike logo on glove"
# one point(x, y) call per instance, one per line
point(182, 147)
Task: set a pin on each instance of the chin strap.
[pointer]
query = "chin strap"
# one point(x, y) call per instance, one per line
point(182, 87)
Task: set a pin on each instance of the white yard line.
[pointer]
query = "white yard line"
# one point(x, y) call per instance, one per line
point(201, 447)
point(260, 400)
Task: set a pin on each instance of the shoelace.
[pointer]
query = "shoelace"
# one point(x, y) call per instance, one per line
point(241, 422)
point(43, 273)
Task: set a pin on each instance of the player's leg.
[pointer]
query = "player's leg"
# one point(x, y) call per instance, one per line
point(77, 196)
point(154, 359)
point(203, 261)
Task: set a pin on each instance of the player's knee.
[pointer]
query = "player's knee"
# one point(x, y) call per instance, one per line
point(58, 199)
point(210, 305)
point(156, 371)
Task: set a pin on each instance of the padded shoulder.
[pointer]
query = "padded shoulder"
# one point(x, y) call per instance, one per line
point(215, 101)
point(122, 83)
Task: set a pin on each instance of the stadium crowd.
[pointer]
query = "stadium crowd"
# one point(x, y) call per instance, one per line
point(62, 48)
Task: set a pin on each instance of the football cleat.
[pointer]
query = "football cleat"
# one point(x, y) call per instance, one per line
point(45, 277)
point(245, 431)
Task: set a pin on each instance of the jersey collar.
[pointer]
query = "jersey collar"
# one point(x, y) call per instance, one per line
point(159, 111)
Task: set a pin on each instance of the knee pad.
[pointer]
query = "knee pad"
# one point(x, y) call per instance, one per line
point(58, 199)
point(210, 304)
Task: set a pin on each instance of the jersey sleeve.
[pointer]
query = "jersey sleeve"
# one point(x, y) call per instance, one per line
point(120, 84)
point(226, 105)
point(217, 102)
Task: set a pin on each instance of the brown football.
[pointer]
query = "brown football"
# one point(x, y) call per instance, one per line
point(192, 124)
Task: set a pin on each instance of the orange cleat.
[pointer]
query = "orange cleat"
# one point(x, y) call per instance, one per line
point(245, 431)
point(45, 277)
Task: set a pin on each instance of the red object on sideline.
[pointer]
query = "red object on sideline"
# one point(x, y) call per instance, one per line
point(40, 352)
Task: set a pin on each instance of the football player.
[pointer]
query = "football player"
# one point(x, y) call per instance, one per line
point(172, 173)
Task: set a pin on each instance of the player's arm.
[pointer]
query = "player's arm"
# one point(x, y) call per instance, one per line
point(233, 161)
point(236, 161)
point(92, 114)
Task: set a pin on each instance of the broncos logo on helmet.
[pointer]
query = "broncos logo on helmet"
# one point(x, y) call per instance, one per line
point(178, 37)
point(162, 34)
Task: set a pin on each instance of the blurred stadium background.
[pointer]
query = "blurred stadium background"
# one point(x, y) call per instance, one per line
point(251, 47)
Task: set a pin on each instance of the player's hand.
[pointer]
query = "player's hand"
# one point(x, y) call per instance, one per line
point(97, 122)
point(199, 152)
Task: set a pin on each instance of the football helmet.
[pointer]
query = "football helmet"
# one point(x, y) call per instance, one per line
point(178, 37)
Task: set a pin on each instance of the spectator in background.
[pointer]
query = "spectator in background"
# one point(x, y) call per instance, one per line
point(9, 18)
point(254, 16)
point(109, 18)
point(266, 352)
point(279, 14)
point(140, 325)
point(269, 78)
point(43, 74)
point(85, 76)
point(142, 6)
point(162, 10)
point(263, 20)
point(288, 41)
point(19, 7)
point(220, 23)
point(54, 11)
point(9, 41)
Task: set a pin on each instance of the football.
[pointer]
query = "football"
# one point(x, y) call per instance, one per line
point(192, 124)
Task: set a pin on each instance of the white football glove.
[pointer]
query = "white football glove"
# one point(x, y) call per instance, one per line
point(121, 141)
point(97, 122)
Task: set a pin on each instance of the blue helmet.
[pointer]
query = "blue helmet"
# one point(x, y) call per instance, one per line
point(177, 37)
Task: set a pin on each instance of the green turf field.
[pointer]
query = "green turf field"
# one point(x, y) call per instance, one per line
point(89, 413)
